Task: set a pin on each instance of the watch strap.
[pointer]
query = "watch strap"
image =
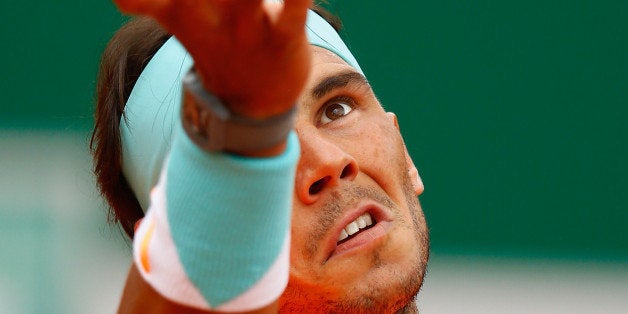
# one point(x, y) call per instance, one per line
point(213, 127)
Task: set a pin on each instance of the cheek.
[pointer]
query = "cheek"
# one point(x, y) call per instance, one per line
point(298, 232)
point(302, 232)
point(378, 149)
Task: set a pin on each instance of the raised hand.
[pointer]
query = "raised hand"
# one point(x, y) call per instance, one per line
point(252, 54)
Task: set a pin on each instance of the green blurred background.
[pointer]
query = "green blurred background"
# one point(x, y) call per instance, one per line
point(514, 112)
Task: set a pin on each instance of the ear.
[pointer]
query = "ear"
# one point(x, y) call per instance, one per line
point(417, 183)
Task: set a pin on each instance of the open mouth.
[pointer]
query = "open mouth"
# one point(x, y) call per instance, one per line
point(361, 234)
point(352, 229)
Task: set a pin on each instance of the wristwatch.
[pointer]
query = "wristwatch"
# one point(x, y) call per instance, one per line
point(211, 126)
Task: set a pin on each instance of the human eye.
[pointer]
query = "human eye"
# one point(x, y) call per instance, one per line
point(335, 109)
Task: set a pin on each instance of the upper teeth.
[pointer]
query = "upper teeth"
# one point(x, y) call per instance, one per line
point(353, 227)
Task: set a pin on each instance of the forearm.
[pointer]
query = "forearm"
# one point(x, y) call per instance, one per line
point(139, 297)
point(216, 234)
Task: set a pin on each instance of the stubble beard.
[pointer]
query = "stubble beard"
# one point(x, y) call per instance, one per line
point(398, 293)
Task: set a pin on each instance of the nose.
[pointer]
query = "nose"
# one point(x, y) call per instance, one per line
point(323, 164)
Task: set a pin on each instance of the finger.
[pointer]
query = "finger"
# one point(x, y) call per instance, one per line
point(293, 16)
point(242, 9)
point(244, 4)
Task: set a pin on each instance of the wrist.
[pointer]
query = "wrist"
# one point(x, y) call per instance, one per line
point(213, 126)
point(258, 105)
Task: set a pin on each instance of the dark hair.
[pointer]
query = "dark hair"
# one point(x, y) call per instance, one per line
point(122, 62)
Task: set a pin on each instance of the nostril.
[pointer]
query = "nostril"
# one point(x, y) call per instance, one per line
point(347, 171)
point(318, 185)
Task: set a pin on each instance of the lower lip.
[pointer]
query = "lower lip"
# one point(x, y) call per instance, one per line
point(363, 239)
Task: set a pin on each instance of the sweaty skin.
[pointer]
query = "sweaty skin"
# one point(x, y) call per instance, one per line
point(358, 163)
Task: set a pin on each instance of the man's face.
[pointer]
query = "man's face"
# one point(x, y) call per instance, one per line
point(354, 174)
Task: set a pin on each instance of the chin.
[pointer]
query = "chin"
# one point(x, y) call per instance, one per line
point(388, 289)
point(362, 304)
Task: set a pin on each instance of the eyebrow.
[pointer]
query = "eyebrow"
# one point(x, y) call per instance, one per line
point(339, 80)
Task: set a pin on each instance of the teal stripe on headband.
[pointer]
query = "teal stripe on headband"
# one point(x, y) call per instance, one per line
point(153, 106)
